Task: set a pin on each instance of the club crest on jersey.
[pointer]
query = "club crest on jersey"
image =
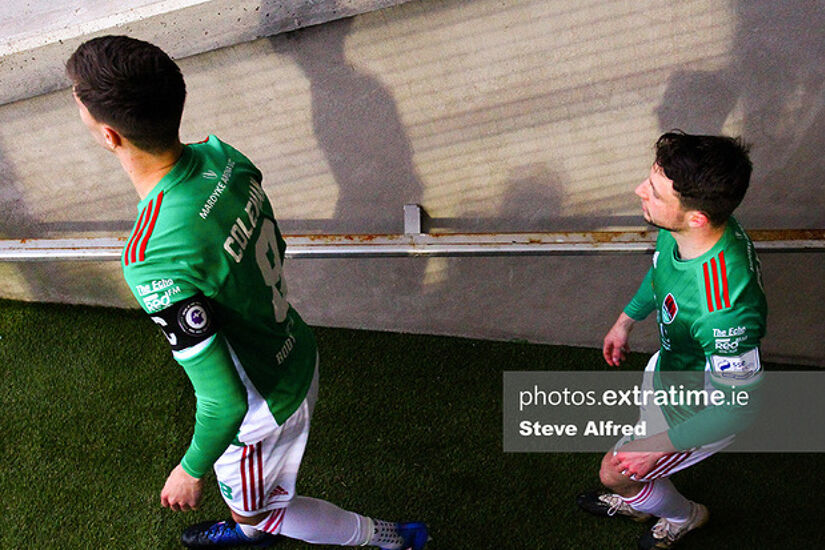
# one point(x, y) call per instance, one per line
point(194, 319)
point(669, 309)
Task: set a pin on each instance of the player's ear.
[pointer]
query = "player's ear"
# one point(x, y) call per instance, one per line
point(111, 138)
point(697, 219)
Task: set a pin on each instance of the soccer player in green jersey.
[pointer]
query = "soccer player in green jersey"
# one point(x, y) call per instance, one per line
point(705, 287)
point(204, 260)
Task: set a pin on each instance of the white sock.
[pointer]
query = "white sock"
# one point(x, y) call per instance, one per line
point(318, 522)
point(385, 534)
point(660, 498)
point(249, 531)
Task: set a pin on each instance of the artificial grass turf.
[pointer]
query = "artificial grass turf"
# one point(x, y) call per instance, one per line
point(96, 413)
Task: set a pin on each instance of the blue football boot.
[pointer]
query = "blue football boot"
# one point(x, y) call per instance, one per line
point(210, 534)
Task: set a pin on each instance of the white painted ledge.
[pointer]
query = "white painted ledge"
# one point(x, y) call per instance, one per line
point(36, 38)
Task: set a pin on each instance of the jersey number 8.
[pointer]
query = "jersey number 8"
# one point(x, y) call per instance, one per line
point(269, 262)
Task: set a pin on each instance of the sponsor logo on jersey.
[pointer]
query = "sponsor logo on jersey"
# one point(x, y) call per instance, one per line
point(210, 175)
point(212, 200)
point(737, 367)
point(669, 309)
point(716, 283)
point(194, 319)
point(730, 332)
point(156, 302)
point(154, 286)
point(728, 344)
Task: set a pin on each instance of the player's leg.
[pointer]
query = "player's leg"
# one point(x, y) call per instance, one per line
point(653, 495)
point(258, 484)
point(320, 522)
point(611, 502)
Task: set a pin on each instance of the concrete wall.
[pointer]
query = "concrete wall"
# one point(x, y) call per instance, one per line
point(495, 115)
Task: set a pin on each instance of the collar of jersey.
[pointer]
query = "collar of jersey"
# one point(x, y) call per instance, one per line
point(179, 172)
point(714, 250)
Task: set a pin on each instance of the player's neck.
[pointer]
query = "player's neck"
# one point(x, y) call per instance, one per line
point(147, 169)
point(694, 242)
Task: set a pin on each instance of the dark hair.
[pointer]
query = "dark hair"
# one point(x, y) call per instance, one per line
point(131, 85)
point(709, 173)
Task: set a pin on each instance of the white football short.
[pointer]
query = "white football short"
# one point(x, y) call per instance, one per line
point(655, 422)
point(261, 476)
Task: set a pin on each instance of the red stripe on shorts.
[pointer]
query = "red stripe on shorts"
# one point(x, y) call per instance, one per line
point(251, 466)
point(260, 477)
point(243, 480)
point(666, 467)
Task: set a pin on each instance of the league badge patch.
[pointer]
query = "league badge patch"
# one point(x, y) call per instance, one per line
point(669, 309)
point(194, 319)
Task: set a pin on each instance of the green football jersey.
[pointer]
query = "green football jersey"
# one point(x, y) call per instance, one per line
point(205, 260)
point(711, 314)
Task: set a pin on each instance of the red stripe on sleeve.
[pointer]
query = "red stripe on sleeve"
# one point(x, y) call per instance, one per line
point(151, 227)
point(135, 236)
point(260, 477)
point(715, 283)
point(707, 287)
point(243, 479)
point(724, 273)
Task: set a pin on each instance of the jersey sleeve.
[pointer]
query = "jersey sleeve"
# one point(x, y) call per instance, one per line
point(221, 402)
point(176, 304)
point(730, 340)
point(643, 302)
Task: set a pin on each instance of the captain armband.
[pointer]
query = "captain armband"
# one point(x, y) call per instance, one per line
point(187, 323)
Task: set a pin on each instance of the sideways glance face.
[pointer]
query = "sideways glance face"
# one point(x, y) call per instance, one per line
point(661, 206)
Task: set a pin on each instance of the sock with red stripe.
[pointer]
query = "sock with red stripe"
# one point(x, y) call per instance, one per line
point(318, 522)
point(661, 499)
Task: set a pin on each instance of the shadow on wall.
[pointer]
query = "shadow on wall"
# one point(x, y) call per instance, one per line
point(358, 128)
point(777, 77)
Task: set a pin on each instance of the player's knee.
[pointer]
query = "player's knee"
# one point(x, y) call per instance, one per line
point(608, 474)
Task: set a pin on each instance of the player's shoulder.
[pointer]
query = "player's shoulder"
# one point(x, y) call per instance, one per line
point(737, 245)
point(210, 168)
point(214, 151)
point(729, 277)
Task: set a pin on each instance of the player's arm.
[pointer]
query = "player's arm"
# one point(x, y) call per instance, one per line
point(193, 332)
point(735, 369)
point(615, 346)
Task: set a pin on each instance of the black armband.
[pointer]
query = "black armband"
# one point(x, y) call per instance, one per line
point(188, 322)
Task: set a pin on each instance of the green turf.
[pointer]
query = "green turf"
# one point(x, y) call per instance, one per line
point(95, 413)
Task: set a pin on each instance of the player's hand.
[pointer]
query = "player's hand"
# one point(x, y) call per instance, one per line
point(615, 348)
point(636, 464)
point(635, 459)
point(181, 492)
